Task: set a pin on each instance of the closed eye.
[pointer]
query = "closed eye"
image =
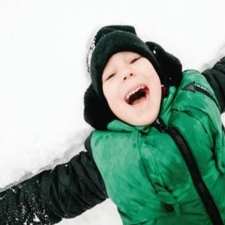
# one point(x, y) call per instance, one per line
point(135, 59)
point(110, 76)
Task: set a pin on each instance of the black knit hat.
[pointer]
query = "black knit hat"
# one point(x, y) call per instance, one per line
point(108, 41)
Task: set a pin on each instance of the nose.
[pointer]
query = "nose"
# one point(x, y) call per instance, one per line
point(127, 75)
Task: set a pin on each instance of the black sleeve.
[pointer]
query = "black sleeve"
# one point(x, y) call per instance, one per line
point(63, 192)
point(216, 78)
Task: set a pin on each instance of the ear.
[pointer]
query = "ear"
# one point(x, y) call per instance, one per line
point(96, 110)
point(171, 66)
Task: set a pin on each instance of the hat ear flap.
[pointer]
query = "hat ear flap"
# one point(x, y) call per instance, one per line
point(169, 64)
point(96, 110)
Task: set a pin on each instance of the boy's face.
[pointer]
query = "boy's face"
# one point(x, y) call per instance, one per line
point(132, 88)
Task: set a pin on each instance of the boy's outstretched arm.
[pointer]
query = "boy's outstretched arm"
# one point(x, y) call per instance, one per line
point(216, 78)
point(63, 192)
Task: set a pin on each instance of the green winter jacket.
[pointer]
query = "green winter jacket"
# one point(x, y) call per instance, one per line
point(144, 171)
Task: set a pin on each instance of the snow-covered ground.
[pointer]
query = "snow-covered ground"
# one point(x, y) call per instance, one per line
point(43, 47)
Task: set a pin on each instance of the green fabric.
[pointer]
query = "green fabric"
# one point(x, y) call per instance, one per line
point(143, 170)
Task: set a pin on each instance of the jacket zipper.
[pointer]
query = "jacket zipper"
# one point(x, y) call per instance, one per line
point(188, 157)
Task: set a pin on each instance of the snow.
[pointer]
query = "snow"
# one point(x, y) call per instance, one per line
point(43, 73)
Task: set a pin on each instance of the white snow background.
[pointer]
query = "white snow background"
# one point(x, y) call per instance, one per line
point(43, 76)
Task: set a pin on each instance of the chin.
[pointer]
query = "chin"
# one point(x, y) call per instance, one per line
point(137, 118)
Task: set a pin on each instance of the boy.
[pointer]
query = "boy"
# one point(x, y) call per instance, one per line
point(158, 148)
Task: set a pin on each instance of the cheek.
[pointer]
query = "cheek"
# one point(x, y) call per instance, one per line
point(155, 81)
point(110, 94)
point(155, 90)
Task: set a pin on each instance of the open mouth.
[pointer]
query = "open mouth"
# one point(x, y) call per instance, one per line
point(137, 95)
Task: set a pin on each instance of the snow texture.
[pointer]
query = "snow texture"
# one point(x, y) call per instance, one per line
point(43, 73)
